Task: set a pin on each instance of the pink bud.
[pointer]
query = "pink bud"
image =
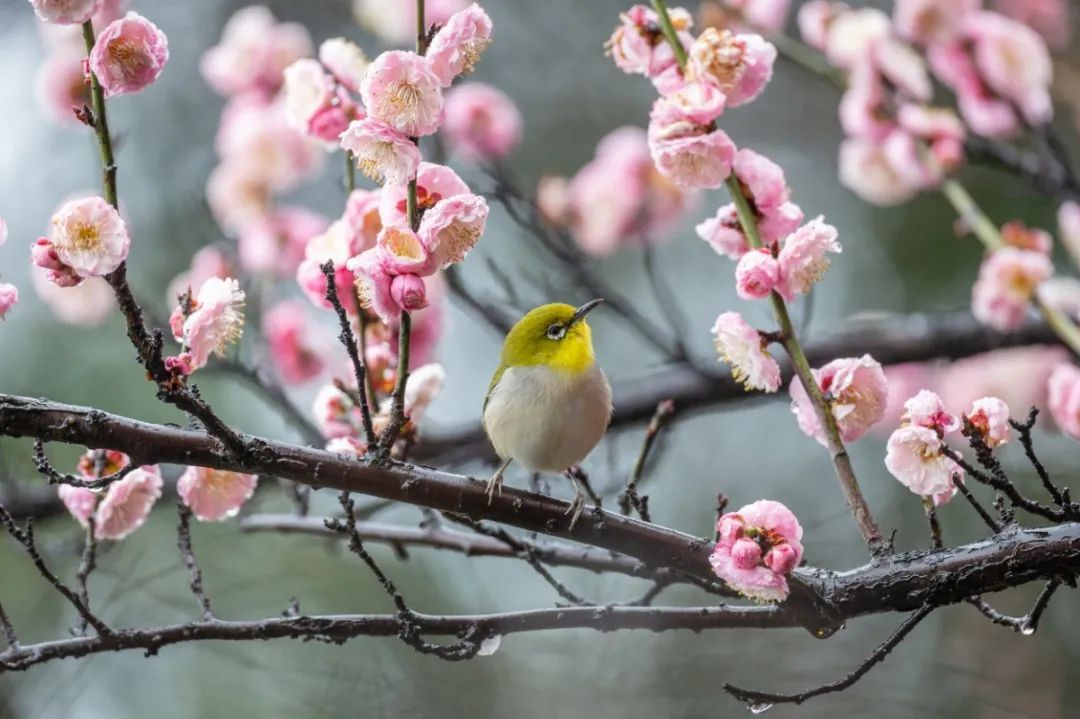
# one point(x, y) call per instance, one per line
point(745, 553)
point(782, 559)
point(756, 275)
point(9, 297)
point(42, 254)
point(409, 292)
point(328, 123)
point(180, 364)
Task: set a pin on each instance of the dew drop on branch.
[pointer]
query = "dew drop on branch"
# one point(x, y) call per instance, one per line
point(759, 708)
point(489, 646)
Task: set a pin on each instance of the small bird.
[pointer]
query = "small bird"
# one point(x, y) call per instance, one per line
point(549, 403)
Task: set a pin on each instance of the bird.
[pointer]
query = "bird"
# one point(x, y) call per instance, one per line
point(549, 403)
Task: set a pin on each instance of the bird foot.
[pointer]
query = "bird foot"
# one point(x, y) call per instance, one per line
point(494, 485)
point(577, 506)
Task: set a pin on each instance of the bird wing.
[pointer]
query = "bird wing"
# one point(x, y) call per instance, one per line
point(491, 387)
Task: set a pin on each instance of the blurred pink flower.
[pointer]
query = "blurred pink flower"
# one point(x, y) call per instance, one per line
point(88, 304)
point(286, 328)
point(306, 89)
point(9, 297)
point(345, 61)
point(758, 546)
point(423, 386)
point(742, 346)
point(214, 495)
point(638, 47)
point(851, 36)
point(804, 257)
point(1063, 391)
point(857, 392)
point(1013, 61)
point(1017, 375)
point(206, 263)
point(65, 12)
point(61, 85)
point(129, 55)
point(335, 413)
point(237, 196)
point(814, 19)
point(216, 320)
point(1050, 18)
point(255, 139)
point(458, 44)
point(1017, 234)
point(401, 89)
point(394, 21)
point(768, 16)
point(481, 123)
point(1008, 279)
point(925, 409)
point(452, 228)
point(756, 275)
point(914, 457)
point(88, 239)
point(253, 52)
point(865, 169)
point(381, 152)
point(990, 417)
point(333, 245)
point(409, 292)
point(276, 241)
point(433, 183)
point(739, 65)
point(687, 153)
point(904, 380)
point(929, 22)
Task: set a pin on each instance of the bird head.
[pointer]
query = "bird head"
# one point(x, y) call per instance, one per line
point(554, 335)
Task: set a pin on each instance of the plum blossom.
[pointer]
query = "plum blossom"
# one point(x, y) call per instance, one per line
point(930, 22)
point(215, 322)
point(401, 251)
point(1063, 390)
point(814, 19)
point(86, 305)
point(1017, 234)
point(638, 46)
point(433, 184)
point(452, 227)
point(739, 65)
point(857, 393)
point(276, 241)
point(253, 52)
point(758, 546)
point(61, 86)
point(65, 12)
point(743, 347)
point(336, 245)
point(401, 89)
point(286, 328)
point(852, 34)
point(88, 239)
point(866, 170)
point(9, 297)
point(804, 257)
point(206, 263)
point(214, 495)
point(335, 413)
point(756, 275)
point(381, 152)
point(989, 416)
point(1049, 18)
point(481, 123)
point(1017, 375)
point(1013, 61)
point(767, 16)
point(689, 154)
point(1008, 280)
point(409, 292)
point(925, 409)
point(423, 386)
point(122, 508)
point(345, 61)
point(457, 46)
point(362, 218)
point(914, 456)
point(129, 55)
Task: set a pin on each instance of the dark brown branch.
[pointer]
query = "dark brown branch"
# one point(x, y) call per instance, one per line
point(947, 335)
point(187, 554)
point(87, 564)
point(41, 462)
point(759, 701)
point(349, 341)
point(1026, 624)
point(1002, 484)
point(1023, 431)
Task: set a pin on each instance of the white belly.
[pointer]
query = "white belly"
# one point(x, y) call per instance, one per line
point(547, 420)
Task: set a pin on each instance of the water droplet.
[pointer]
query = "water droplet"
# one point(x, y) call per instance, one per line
point(759, 708)
point(1027, 630)
point(489, 646)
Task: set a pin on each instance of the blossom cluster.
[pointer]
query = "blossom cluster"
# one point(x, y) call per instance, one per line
point(756, 548)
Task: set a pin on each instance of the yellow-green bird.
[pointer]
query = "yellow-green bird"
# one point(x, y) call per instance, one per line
point(549, 403)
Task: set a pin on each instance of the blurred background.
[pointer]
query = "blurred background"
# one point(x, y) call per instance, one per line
point(549, 58)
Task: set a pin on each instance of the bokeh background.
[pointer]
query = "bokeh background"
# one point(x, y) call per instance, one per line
point(548, 57)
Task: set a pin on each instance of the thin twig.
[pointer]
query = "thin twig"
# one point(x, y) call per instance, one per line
point(41, 462)
point(932, 521)
point(1027, 624)
point(87, 564)
point(8, 630)
point(665, 410)
point(397, 398)
point(1023, 430)
point(349, 341)
point(967, 494)
point(187, 554)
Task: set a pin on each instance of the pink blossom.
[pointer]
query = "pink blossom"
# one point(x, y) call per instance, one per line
point(905, 379)
point(409, 292)
point(362, 218)
point(276, 241)
point(337, 244)
point(638, 46)
point(857, 392)
point(903, 68)
point(724, 233)
point(61, 85)
point(373, 285)
point(851, 35)
point(127, 503)
point(1013, 61)
point(345, 61)
point(698, 102)
point(335, 413)
point(941, 129)
point(206, 263)
point(1008, 279)
point(215, 494)
point(423, 386)
point(689, 154)
point(286, 329)
point(394, 21)
point(990, 418)
point(1068, 218)
point(129, 55)
point(915, 458)
point(866, 170)
point(1062, 294)
point(814, 19)
point(253, 53)
point(925, 409)
point(216, 320)
point(481, 123)
point(1063, 389)
point(433, 183)
point(458, 44)
point(740, 65)
point(78, 501)
point(452, 228)
point(1017, 234)
point(767, 16)
point(9, 297)
point(1049, 18)
point(88, 239)
point(401, 89)
point(87, 305)
point(237, 196)
point(400, 251)
point(742, 346)
point(803, 258)
point(65, 12)
point(428, 324)
point(756, 275)
point(929, 22)
point(1017, 375)
point(306, 90)
point(763, 178)
point(864, 106)
point(381, 152)
point(758, 546)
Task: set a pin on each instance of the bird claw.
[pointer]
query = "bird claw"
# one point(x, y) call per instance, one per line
point(577, 506)
point(494, 484)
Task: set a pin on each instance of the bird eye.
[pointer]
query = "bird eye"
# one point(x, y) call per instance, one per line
point(556, 331)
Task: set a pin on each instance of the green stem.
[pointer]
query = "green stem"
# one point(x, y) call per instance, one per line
point(101, 125)
point(845, 473)
point(350, 173)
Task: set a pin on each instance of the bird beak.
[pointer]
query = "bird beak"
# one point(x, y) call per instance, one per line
point(580, 312)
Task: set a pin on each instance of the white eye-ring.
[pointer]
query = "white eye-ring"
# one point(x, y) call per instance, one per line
point(556, 331)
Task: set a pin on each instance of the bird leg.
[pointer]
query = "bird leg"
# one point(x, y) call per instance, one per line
point(495, 483)
point(576, 472)
point(577, 505)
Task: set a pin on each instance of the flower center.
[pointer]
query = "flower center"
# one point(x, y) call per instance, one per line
point(84, 236)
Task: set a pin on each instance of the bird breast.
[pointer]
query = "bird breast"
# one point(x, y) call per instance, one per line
point(545, 419)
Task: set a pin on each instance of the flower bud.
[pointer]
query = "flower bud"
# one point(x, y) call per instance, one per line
point(409, 292)
point(746, 553)
point(782, 559)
